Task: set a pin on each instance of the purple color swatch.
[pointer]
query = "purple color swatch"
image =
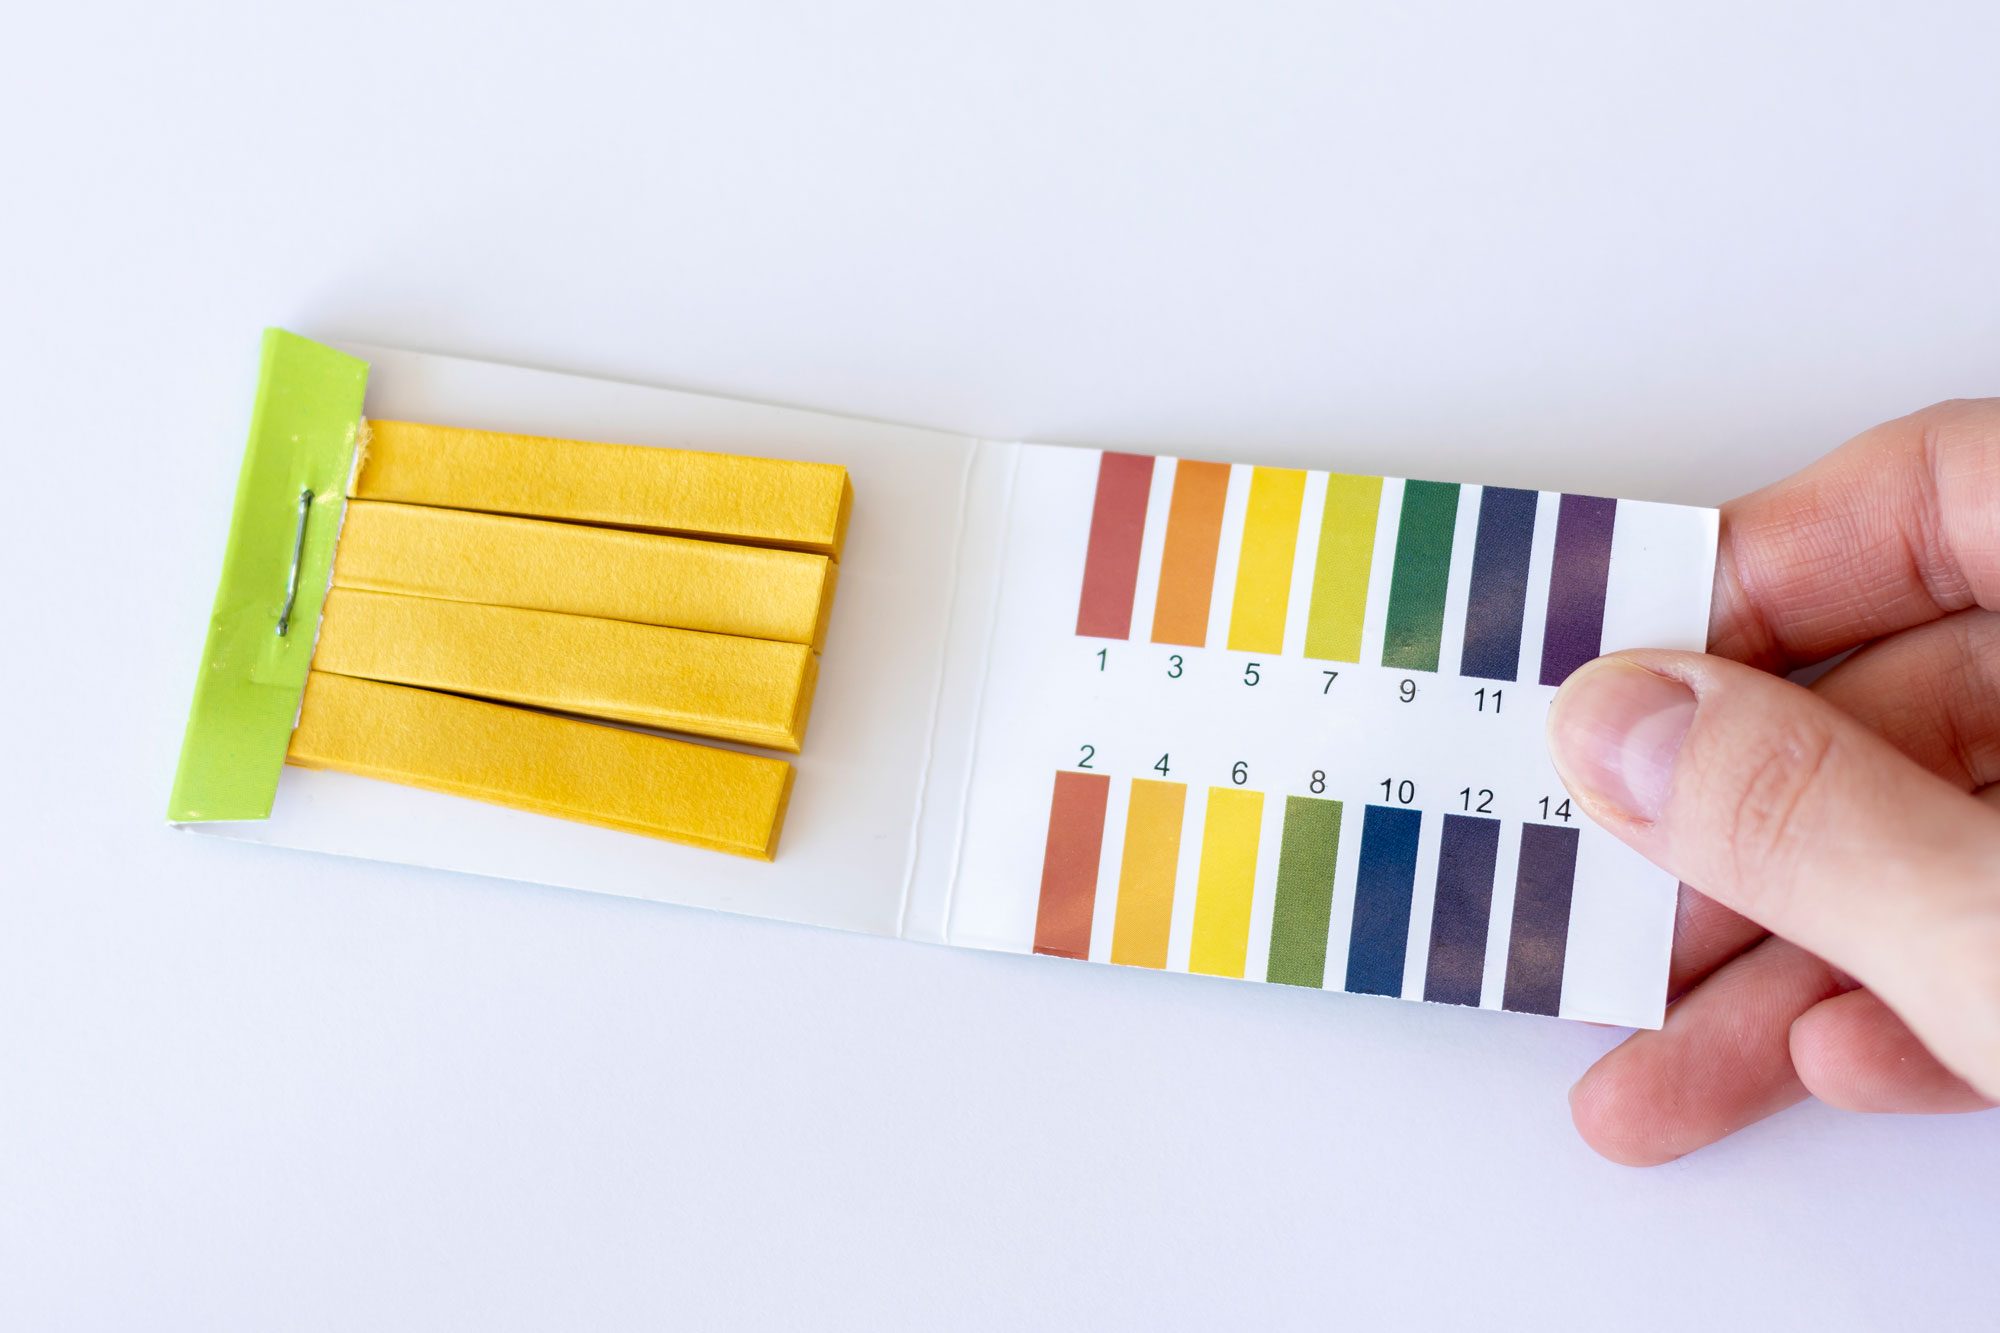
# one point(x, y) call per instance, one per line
point(1540, 939)
point(1575, 626)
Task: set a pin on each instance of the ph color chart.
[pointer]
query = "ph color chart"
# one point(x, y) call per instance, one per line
point(1342, 566)
point(1285, 725)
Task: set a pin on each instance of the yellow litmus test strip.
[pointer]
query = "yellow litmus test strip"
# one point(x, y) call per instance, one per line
point(754, 591)
point(757, 691)
point(764, 501)
point(632, 781)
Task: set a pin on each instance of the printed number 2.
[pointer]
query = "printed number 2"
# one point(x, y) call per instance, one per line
point(1089, 753)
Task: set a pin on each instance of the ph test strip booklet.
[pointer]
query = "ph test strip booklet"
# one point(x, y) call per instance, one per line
point(1269, 724)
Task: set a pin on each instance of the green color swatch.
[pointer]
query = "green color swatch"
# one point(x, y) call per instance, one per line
point(246, 697)
point(1423, 568)
point(1308, 850)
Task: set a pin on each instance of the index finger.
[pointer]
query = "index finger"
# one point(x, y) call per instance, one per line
point(1897, 527)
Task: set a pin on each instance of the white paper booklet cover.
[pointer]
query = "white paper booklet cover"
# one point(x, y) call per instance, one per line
point(1263, 723)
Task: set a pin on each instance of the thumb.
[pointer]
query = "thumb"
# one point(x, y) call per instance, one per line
point(1776, 804)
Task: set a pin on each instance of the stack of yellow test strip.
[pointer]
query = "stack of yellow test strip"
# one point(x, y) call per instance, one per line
point(492, 592)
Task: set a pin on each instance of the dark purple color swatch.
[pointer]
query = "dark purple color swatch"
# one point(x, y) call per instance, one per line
point(1540, 938)
point(1466, 858)
point(1576, 588)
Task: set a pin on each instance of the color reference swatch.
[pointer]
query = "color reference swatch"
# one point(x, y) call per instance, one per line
point(1343, 567)
point(1141, 886)
point(1298, 720)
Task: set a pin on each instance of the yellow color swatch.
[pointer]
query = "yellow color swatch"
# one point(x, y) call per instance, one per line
point(1228, 879)
point(765, 501)
point(1341, 567)
point(756, 691)
point(701, 795)
point(1146, 874)
point(717, 586)
point(1264, 573)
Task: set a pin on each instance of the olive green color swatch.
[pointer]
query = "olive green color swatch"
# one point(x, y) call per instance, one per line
point(1308, 850)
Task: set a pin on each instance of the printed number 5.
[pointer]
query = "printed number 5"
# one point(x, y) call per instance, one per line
point(1250, 676)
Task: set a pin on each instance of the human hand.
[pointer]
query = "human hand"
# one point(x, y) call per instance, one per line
point(1839, 845)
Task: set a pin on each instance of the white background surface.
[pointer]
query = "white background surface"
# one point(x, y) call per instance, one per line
point(1664, 250)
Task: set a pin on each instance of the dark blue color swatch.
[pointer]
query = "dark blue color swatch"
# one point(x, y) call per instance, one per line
point(1499, 590)
point(1385, 880)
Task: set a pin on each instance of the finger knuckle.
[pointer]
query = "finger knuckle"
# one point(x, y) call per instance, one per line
point(1776, 807)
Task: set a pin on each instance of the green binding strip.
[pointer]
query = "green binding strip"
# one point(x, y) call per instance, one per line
point(246, 698)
